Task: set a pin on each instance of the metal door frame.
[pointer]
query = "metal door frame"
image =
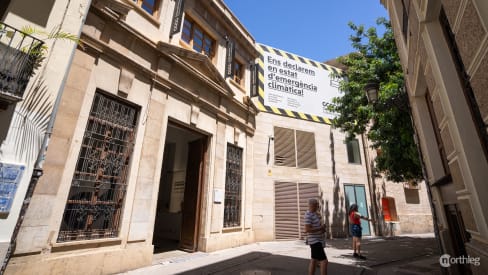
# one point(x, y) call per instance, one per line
point(355, 196)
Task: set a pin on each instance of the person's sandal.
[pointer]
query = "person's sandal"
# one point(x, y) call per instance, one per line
point(355, 255)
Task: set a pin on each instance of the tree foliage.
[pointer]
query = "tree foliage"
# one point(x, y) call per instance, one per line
point(387, 122)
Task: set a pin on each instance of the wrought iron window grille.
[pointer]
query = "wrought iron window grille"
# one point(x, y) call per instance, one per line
point(233, 187)
point(94, 206)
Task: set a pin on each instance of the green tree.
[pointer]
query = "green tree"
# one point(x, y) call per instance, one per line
point(387, 123)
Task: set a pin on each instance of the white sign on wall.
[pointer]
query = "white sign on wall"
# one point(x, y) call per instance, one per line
point(297, 84)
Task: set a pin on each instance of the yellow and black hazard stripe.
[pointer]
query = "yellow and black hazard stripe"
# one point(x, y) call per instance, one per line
point(279, 111)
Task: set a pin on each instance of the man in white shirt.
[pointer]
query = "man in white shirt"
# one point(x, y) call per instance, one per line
point(315, 237)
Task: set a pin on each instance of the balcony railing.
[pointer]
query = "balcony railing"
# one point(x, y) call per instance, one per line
point(19, 56)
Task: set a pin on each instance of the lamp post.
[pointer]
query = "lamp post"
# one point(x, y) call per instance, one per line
point(371, 90)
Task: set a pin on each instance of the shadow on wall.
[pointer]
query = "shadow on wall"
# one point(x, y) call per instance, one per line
point(28, 122)
point(383, 227)
point(375, 207)
point(5, 121)
point(327, 215)
point(338, 227)
point(37, 12)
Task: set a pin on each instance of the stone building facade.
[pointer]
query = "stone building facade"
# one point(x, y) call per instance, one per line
point(157, 146)
point(300, 156)
point(443, 48)
point(154, 132)
point(399, 208)
point(281, 191)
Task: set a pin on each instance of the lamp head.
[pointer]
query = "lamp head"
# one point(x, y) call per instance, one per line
point(371, 90)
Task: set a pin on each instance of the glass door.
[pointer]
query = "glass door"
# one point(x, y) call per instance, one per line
point(356, 193)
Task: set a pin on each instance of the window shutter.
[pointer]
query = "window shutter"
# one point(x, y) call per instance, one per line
point(287, 221)
point(177, 16)
point(254, 80)
point(229, 59)
point(284, 147)
point(306, 157)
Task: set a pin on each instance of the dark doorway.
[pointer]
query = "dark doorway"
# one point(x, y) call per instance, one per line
point(459, 237)
point(3, 7)
point(182, 174)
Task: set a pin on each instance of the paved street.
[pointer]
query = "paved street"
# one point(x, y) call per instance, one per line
point(407, 254)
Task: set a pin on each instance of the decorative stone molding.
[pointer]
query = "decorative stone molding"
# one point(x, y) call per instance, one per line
point(195, 112)
point(117, 6)
point(125, 82)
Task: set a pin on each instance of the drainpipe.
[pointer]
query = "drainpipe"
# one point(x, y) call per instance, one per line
point(372, 189)
point(37, 172)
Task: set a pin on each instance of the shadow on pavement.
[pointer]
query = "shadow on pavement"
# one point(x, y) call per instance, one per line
point(261, 263)
point(384, 251)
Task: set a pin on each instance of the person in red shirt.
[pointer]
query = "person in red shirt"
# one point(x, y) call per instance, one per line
point(356, 230)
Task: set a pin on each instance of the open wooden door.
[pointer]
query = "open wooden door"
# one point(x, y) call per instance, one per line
point(191, 204)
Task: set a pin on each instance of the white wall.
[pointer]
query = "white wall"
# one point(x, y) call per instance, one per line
point(69, 15)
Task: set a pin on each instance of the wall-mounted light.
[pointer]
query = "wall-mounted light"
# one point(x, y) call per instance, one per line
point(270, 138)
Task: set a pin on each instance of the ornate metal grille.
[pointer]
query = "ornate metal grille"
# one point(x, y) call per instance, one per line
point(233, 187)
point(20, 55)
point(99, 183)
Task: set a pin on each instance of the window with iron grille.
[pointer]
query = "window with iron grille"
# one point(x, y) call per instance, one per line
point(197, 38)
point(233, 187)
point(294, 148)
point(99, 183)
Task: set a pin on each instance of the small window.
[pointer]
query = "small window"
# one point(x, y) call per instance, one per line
point(238, 72)
point(353, 154)
point(197, 38)
point(150, 6)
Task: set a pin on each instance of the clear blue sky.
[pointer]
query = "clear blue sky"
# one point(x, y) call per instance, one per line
point(316, 29)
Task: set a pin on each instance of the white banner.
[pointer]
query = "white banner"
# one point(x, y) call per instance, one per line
point(296, 86)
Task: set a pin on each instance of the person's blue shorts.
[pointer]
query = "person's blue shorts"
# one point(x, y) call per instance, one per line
point(356, 230)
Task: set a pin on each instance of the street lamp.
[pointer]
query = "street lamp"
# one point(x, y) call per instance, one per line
point(400, 100)
point(371, 90)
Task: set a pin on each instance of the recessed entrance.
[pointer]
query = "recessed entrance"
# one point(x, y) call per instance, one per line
point(178, 208)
